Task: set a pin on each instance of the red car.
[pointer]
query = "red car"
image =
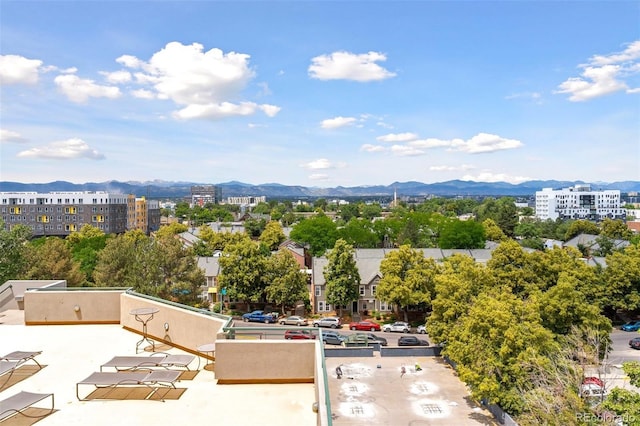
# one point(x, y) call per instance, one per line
point(298, 335)
point(365, 326)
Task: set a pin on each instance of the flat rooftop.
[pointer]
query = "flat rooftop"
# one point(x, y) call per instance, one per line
point(374, 391)
point(70, 353)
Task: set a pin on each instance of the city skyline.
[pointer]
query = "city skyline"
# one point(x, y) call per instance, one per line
point(317, 93)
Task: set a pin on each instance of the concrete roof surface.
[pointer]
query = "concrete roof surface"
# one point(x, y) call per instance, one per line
point(70, 353)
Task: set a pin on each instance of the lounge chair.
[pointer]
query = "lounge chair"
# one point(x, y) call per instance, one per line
point(113, 379)
point(10, 363)
point(19, 402)
point(158, 360)
point(21, 357)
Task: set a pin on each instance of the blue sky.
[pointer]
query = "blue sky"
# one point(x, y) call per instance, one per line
point(319, 93)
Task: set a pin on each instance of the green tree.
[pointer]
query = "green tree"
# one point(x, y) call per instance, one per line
point(371, 211)
point(462, 234)
point(459, 281)
point(171, 229)
point(319, 232)
point(359, 233)
point(349, 211)
point(85, 246)
point(493, 231)
point(581, 227)
point(287, 284)
point(564, 306)
point(494, 345)
point(243, 271)
point(254, 227)
point(621, 286)
point(341, 275)
point(13, 251)
point(273, 235)
point(52, 260)
point(502, 211)
point(407, 279)
point(615, 229)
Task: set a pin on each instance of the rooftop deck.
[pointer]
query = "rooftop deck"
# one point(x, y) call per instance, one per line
point(70, 353)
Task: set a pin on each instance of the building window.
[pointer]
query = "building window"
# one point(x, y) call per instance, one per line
point(327, 307)
point(318, 290)
point(320, 306)
point(361, 290)
point(373, 290)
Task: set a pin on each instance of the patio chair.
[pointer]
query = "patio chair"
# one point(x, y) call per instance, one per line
point(158, 360)
point(111, 380)
point(19, 402)
point(10, 363)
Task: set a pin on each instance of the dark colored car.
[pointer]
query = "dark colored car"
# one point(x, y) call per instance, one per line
point(333, 338)
point(635, 343)
point(365, 326)
point(631, 326)
point(411, 341)
point(375, 339)
point(299, 335)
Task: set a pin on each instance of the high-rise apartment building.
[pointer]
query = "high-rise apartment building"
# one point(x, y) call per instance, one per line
point(203, 194)
point(61, 213)
point(143, 214)
point(579, 202)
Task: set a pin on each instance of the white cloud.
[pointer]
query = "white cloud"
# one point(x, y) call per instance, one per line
point(336, 122)
point(485, 142)
point(534, 97)
point(321, 163)
point(372, 148)
point(206, 84)
point(224, 109)
point(349, 66)
point(451, 168)
point(432, 143)
point(80, 90)
point(16, 69)
point(406, 151)
point(318, 176)
point(117, 77)
point(480, 143)
point(496, 177)
point(143, 94)
point(7, 136)
point(603, 75)
point(397, 137)
point(63, 150)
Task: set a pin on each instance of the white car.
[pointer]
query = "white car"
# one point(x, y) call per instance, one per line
point(398, 327)
point(294, 320)
point(422, 329)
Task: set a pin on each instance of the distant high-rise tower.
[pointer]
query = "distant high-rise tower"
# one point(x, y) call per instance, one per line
point(203, 194)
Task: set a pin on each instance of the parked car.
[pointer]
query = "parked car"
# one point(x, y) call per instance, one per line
point(411, 341)
point(333, 322)
point(365, 325)
point(398, 327)
point(635, 343)
point(358, 339)
point(592, 387)
point(422, 329)
point(294, 320)
point(631, 326)
point(375, 339)
point(333, 338)
point(259, 316)
point(299, 335)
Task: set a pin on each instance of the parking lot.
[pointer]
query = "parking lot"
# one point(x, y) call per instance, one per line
point(375, 391)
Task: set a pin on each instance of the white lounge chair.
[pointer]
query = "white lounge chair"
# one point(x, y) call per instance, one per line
point(153, 380)
point(19, 402)
point(158, 360)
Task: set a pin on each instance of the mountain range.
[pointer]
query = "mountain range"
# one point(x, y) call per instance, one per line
point(164, 189)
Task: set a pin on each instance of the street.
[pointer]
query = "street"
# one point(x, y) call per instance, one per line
point(276, 331)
